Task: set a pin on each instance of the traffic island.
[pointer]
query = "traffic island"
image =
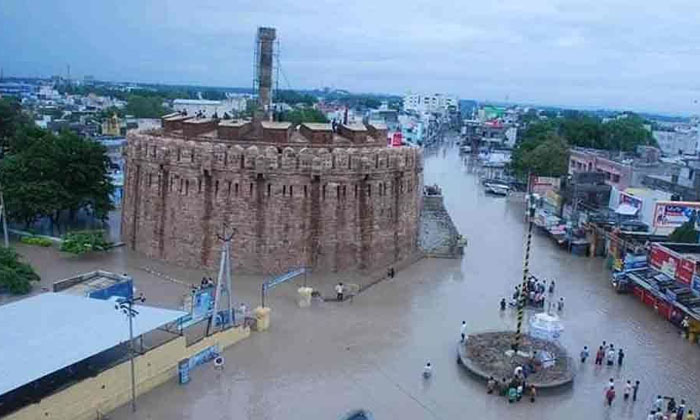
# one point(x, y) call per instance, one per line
point(489, 354)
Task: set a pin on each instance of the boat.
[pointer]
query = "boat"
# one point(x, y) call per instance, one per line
point(496, 189)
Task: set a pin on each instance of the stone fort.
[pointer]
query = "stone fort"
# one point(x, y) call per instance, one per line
point(332, 198)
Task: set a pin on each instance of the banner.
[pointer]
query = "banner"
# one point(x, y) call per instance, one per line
point(685, 272)
point(542, 184)
point(674, 213)
point(661, 259)
point(633, 201)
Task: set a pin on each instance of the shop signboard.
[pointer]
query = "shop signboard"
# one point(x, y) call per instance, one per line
point(684, 272)
point(695, 285)
point(668, 214)
point(542, 184)
point(633, 201)
point(662, 259)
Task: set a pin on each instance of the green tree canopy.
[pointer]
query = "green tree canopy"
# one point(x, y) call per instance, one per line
point(15, 276)
point(46, 174)
point(302, 115)
point(544, 155)
point(146, 106)
point(576, 129)
point(685, 233)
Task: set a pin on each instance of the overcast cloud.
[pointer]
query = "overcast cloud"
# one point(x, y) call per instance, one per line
point(631, 54)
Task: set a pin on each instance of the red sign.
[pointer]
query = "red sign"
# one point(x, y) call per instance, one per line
point(685, 271)
point(663, 260)
point(396, 139)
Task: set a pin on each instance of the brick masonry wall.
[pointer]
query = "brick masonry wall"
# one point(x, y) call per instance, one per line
point(335, 208)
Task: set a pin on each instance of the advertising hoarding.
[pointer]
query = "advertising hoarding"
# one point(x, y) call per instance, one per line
point(674, 213)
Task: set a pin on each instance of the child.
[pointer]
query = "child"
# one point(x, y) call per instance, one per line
point(584, 354)
point(533, 393)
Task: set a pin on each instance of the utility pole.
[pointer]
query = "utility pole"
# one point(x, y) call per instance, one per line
point(3, 216)
point(526, 271)
point(126, 305)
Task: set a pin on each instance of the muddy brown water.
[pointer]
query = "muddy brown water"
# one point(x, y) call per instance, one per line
point(323, 361)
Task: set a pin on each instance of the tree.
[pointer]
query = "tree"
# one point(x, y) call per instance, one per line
point(302, 115)
point(15, 276)
point(685, 233)
point(545, 155)
point(47, 174)
point(11, 119)
point(146, 106)
point(213, 95)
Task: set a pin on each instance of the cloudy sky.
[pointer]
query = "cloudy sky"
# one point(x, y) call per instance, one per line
point(631, 54)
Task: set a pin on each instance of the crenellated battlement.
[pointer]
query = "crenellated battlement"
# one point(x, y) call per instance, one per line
point(262, 158)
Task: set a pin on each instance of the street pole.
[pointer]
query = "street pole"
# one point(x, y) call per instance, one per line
point(131, 352)
point(526, 271)
point(3, 215)
point(126, 305)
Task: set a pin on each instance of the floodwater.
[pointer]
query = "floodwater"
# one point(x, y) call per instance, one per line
point(324, 361)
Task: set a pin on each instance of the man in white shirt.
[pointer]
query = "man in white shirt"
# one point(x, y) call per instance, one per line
point(339, 291)
point(463, 331)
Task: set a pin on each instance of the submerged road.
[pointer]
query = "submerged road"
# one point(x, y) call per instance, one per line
point(321, 362)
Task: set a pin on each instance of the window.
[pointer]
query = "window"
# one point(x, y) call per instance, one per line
point(305, 191)
point(187, 186)
point(216, 188)
point(269, 189)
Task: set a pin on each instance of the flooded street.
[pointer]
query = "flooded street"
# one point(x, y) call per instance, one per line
point(323, 361)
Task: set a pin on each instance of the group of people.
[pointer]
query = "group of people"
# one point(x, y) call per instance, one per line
point(630, 390)
point(670, 410)
point(606, 352)
point(513, 389)
point(535, 295)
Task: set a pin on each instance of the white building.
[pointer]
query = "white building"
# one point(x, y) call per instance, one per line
point(422, 103)
point(682, 140)
point(193, 106)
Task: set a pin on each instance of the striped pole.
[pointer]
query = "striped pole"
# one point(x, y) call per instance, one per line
point(523, 293)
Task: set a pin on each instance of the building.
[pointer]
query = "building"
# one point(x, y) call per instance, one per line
point(679, 141)
point(306, 196)
point(430, 103)
point(685, 184)
point(232, 106)
point(64, 340)
point(621, 170)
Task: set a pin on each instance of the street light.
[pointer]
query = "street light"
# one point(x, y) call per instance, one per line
point(126, 305)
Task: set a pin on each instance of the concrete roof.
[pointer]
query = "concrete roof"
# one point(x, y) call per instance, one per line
point(355, 127)
point(318, 126)
point(276, 125)
point(233, 123)
point(198, 121)
point(50, 331)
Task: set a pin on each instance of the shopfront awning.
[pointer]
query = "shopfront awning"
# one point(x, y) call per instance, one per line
point(625, 209)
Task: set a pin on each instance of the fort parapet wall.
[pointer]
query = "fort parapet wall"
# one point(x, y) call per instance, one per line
point(305, 197)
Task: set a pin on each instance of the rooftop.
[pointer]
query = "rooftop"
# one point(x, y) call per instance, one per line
point(318, 126)
point(51, 331)
point(276, 125)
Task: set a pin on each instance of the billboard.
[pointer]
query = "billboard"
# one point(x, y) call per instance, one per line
point(672, 264)
point(671, 214)
point(542, 184)
point(663, 260)
point(633, 201)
